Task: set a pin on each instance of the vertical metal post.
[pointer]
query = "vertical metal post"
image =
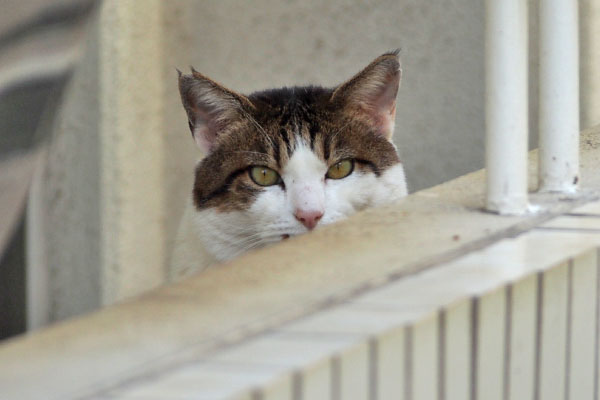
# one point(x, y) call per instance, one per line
point(506, 106)
point(559, 96)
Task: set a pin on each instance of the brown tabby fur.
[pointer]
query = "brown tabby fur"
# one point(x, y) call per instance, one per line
point(263, 129)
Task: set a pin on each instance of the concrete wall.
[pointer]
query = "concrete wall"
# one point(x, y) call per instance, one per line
point(589, 32)
point(132, 148)
point(96, 212)
point(120, 168)
point(64, 222)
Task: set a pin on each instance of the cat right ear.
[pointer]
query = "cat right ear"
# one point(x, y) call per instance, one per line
point(210, 107)
point(371, 94)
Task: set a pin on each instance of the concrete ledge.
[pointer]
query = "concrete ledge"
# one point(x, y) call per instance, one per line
point(266, 288)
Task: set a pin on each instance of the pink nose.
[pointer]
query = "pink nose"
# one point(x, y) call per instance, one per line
point(309, 218)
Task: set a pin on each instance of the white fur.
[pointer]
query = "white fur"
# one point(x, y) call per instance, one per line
point(304, 177)
point(224, 235)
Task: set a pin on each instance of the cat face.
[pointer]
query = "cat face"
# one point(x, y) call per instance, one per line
point(283, 162)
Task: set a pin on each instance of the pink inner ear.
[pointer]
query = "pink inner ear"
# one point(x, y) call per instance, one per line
point(383, 110)
point(204, 131)
point(387, 121)
point(376, 97)
point(203, 139)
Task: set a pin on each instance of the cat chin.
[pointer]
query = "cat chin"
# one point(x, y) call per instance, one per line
point(226, 235)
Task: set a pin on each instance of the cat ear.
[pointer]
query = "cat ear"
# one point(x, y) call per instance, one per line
point(372, 93)
point(210, 107)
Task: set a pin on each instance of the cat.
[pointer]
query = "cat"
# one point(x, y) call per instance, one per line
point(282, 162)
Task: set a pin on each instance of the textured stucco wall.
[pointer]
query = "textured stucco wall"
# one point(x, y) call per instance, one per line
point(589, 34)
point(97, 207)
point(64, 210)
point(121, 167)
point(132, 147)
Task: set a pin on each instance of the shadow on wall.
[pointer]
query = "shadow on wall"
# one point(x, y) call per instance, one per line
point(38, 42)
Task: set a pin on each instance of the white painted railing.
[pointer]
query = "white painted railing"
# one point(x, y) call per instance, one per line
point(506, 106)
point(507, 101)
point(462, 331)
point(559, 96)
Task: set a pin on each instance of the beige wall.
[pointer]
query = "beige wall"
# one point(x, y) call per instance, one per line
point(64, 209)
point(98, 205)
point(132, 148)
point(589, 32)
point(120, 168)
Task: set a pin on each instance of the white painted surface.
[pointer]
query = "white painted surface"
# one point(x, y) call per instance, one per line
point(354, 320)
point(354, 373)
point(281, 389)
point(521, 350)
point(590, 208)
point(553, 337)
point(141, 326)
point(559, 96)
point(425, 357)
point(574, 223)
point(491, 340)
point(200, 382)
point(391, 365)
point(589, 31)
point(316, 382)
point(480, 272)
point(506, 106)
point(584, 277)
point(285, 350)
point(458, 350)
point(306, 347)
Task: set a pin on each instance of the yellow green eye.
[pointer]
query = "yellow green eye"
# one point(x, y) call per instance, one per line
point(341, 169)
point(264, 176)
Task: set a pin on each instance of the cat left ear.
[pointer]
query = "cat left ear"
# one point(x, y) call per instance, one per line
point(210, 108)
point(371, 93)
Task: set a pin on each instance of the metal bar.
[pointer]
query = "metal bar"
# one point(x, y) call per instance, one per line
point(506, 106)
point(559, 96)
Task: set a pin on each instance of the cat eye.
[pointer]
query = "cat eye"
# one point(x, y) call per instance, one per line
point(340, 169)
point(264, 176)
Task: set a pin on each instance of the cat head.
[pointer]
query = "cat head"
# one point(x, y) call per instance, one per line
point(282, 162)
